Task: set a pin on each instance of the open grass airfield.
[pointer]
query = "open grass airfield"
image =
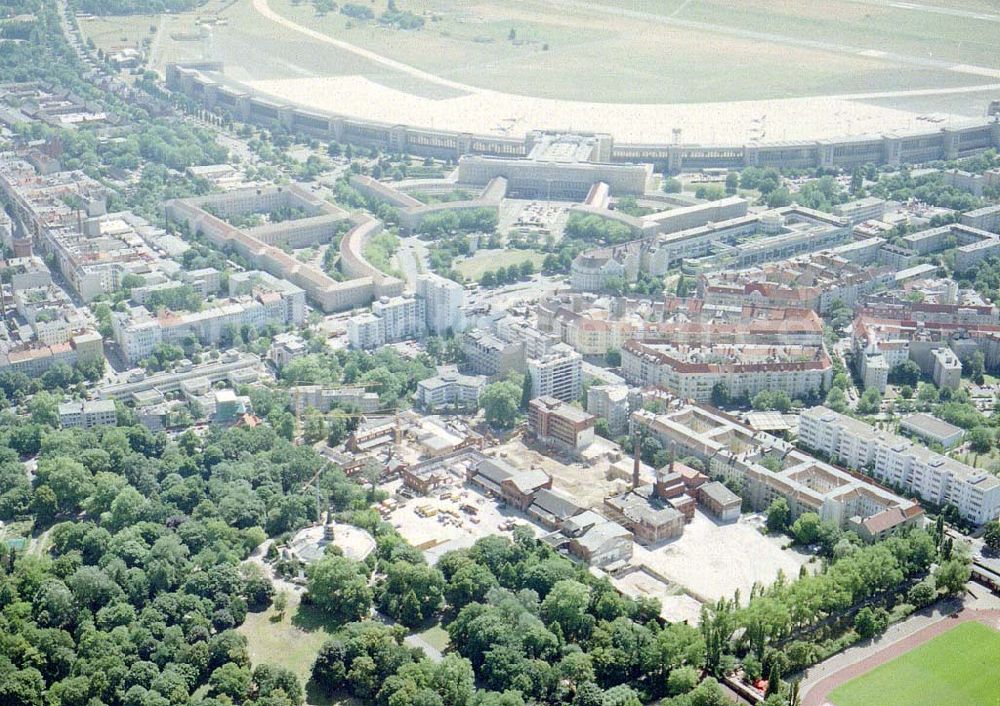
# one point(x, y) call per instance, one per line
point(718, 71)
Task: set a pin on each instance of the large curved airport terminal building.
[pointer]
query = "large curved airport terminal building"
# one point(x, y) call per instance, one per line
point(915, 141)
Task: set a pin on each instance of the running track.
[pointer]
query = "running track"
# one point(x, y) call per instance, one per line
point(817, 694)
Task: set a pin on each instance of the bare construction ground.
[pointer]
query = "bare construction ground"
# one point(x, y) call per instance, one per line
point(713, 561)
point(677, 606)
point(437, 523)
point(585, 483)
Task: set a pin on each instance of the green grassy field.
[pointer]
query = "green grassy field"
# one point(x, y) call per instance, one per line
point(957, 668)
point(291, 642)
point(116, 33)
point(677, 51)
point(485, 260)
point(436, 636)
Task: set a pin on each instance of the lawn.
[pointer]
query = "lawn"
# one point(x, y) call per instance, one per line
point(115, 33)
point(436, 637)
point(958, 668)
point(678, 51)
point(292, 642)
point(484, 260)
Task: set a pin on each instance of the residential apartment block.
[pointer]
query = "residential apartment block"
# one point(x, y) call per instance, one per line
point(262, 245)
point(902, 463)
point(392, 319)
point(938, 348)
point(692, 371)
point(557, 374)
point(813, 281)
point(610, 402)
point(326, 398)
point(273, 301)
point(594, 325)
point(443, 301)
point(34, 358)
point(734, 452)
point(486, 354)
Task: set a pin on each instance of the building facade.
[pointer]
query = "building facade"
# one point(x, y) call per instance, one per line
point(896, 460)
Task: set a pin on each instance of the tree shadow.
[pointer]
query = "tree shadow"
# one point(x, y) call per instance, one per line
point(316, 696)
point(310, 618)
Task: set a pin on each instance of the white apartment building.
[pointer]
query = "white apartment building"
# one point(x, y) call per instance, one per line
point(391, 319)
point(947, 368)
point(138, 332)
point(898, 461)
point(443, 301)
point(135, 338)
point(326, 398)
point(450, 390)
point(557, 374)
point(364, 331)
point(286, 347)
point(537, 343)
point(610, 402)
point(402, 317)
point(86, 415)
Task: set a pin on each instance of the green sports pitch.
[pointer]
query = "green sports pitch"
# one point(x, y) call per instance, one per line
point(957, 668)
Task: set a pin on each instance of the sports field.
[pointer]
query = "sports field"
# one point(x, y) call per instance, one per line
point(958, 668)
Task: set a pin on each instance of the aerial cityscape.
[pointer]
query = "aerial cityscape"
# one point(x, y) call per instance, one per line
point(442, 353)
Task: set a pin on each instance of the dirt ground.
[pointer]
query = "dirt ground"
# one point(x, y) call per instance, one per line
point(713, 561)
point(677, 606)
point(585, 483)
point(446, 526)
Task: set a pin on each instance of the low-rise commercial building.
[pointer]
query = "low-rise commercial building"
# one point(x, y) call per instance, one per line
point(87, 414)
point(932, 430)
point(720, 501)
point(869, 208)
